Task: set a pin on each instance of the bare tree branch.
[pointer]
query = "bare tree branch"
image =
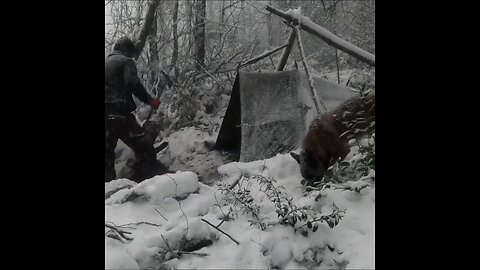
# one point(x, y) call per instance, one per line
point(193, 253)
point(119, 231)
point(169, 248)
point(160, 214)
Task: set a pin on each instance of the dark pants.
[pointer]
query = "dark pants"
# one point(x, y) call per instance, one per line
point(126, 128)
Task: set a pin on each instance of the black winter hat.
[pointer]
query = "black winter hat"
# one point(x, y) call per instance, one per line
point(125, 46)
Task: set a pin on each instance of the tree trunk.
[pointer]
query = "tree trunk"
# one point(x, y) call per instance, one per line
point(327, 36)
point(222, 14)
point(175, 40)
point(270, 30)
point(200, 34)
point(337, 60)
point(154, 61)
point(146, 30)
point(210, 11)
point(189, 15)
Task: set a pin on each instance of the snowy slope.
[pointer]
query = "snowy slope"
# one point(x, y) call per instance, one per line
point(174, 204)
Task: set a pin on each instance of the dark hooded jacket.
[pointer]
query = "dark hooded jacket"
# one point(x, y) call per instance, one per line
point(121, 81)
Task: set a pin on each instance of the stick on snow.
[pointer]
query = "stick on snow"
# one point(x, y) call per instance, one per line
point(236, 242)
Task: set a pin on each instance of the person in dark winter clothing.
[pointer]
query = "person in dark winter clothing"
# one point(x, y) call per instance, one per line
point(121, 82)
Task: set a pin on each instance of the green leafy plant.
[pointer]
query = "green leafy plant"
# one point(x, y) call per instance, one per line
point(241, 198)
point(303, 218)
point(341, 175)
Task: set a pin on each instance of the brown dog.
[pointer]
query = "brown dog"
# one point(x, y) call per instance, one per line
point(321, 147)
point(327, 138)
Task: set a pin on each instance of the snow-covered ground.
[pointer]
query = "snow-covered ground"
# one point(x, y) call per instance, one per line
point(170, 208)
point(188, 150)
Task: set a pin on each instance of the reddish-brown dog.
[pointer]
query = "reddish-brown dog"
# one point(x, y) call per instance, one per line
point(321, 147)
point(327, 138)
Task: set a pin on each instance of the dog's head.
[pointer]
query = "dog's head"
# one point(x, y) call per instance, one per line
point(311, 167)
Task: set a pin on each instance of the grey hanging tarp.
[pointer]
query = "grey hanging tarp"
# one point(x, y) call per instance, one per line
point(269, 112)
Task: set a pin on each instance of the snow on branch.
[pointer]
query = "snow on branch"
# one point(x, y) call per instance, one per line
point(294, 16)
point(118, 232)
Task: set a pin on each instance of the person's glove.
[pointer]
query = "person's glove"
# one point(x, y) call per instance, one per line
point(155, 102)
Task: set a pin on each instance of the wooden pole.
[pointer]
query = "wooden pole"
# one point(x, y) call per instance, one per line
point(315, 97)
point(286, 51)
